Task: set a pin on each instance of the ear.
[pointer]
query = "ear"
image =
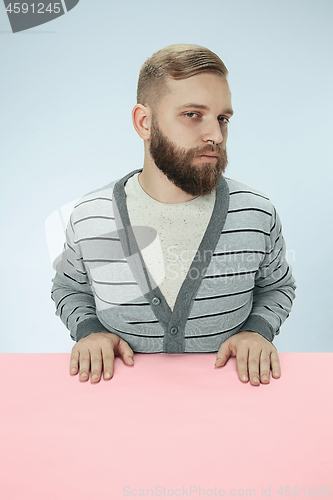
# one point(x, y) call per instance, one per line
point(141, 117)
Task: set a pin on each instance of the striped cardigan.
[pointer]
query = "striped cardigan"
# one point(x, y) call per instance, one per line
point(238, 280)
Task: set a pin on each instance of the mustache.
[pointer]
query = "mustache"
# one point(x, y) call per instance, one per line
point(218, 150)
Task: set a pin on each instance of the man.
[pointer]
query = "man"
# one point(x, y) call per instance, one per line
point(175, 257)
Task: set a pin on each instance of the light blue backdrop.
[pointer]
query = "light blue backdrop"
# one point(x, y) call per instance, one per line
point(67, 91)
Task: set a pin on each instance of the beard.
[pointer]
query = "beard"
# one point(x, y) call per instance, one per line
point(176, 164)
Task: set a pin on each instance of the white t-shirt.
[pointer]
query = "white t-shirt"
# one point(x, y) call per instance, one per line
point(180, 228)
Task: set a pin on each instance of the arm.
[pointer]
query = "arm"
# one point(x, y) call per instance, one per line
point(275, 286)
point(273, 296)
point(71, 291)
point(75, 305)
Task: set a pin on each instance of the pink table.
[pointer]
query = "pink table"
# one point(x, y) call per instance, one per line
point(171, 426)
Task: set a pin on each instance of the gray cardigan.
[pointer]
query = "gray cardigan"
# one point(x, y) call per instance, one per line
point(239, 278)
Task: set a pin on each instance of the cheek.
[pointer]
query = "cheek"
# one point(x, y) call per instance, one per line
point(182, 138)
point(173, 131)
point(188, 137)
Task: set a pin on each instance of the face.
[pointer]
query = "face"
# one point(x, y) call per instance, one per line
point(188, 120)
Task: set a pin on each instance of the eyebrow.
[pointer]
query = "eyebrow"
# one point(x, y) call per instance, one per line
point(228, 111)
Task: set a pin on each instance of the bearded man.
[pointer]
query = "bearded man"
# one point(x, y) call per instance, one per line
point(175, 257)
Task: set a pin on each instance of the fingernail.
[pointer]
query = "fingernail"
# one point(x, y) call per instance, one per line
point(95, 376)
point(244, 377)
point(276, 374)
point(264, 377)
point(83, 374)
point(131, 359)
point(255, 379)
point(107, 374)
point(73, 370)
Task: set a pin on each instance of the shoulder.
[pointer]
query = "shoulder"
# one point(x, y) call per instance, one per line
point(102, 193)
point(94, 202)
point(243, 196)
point(100, 200)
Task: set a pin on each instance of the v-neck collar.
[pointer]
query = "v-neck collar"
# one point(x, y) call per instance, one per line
point(173, 322)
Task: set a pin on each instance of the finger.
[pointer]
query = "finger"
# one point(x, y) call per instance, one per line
point(84, 362)
point(223, 354)
point(108, 360)
point(275, 364)
point(242, 362)
point(265, 366)
point(254, 360)
point(96, 364)
point(125, 352)
point(74, 362)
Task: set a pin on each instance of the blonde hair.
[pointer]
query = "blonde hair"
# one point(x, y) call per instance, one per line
point(178, 61)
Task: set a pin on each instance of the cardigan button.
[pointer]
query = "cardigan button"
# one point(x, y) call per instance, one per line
point(174, 330)
point(156, 301)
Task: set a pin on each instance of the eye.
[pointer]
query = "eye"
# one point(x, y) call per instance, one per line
point(191, 113)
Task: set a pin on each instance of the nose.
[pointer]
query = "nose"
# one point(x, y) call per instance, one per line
point(213, 133)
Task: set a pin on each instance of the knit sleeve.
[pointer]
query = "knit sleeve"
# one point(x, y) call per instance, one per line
point(275, 286)
point(71, 291)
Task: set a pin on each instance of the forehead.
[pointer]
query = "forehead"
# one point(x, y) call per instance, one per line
point(208, 89)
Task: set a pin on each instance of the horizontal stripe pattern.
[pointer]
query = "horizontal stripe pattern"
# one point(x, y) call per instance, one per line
point(247, 277)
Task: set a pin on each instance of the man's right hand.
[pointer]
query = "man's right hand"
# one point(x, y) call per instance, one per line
point(97, 349)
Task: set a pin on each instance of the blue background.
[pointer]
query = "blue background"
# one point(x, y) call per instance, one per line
point(68, 88)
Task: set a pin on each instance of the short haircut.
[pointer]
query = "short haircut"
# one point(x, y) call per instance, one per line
point(177, 61)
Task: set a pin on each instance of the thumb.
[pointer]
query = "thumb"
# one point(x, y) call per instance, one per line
point(223, 354)
point(126, 352)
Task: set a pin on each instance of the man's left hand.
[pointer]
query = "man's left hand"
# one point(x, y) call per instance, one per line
point(255, 357)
